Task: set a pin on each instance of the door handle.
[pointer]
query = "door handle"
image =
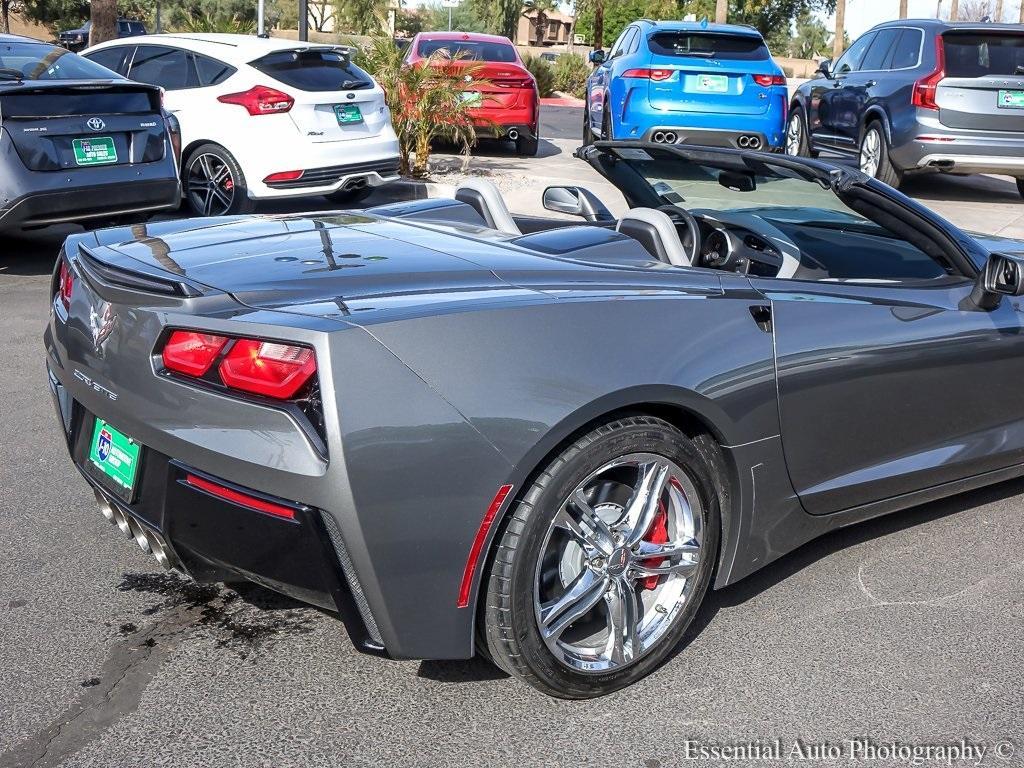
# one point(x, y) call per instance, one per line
point(762, 314)
point(870, 84)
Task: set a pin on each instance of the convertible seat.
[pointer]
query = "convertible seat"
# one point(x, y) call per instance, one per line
point(486, 200)
point(657, 233)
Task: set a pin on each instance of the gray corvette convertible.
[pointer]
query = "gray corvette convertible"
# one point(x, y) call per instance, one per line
point(538, 439)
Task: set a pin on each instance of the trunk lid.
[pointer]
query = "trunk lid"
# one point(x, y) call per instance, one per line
point(984, 84)
point(334, 99)
point(333, 266)
point(495, 84)
point(711, 72)
point(60, 125)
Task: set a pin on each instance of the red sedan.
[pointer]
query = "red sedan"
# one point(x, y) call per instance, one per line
point(508, 104)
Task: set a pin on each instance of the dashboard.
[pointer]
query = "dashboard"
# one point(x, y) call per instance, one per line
point(745, 243)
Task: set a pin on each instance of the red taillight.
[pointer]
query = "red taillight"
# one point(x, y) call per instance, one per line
point(191, 352)
point(478, 544)
point(284, 176)
point(260, 100)
point(649, 74)
point(923, 94)
point(513, 82)
point(267, 368)
point(66, 284)
point(237, 497)
point(769, 80)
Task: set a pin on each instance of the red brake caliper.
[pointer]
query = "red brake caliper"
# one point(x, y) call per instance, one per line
point(657, 534)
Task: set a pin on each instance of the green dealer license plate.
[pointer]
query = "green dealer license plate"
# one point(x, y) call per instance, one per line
point(1011, 99)
point(116, 456)
point(94, 151)
point(348, 114)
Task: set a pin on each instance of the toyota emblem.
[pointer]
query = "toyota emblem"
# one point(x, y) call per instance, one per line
point(95, 124)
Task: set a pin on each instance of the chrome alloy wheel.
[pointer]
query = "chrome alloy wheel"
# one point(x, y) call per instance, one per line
point(211, 186)
point(870, 153)
point(615, 565)
point(793, 130)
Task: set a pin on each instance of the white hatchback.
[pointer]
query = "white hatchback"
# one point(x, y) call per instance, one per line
point(264, 118)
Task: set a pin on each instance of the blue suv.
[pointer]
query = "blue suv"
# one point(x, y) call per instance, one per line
point(676, 82)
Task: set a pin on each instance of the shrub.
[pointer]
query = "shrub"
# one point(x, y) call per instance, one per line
point(542, 73)
point(426, 101)
point(571, 71)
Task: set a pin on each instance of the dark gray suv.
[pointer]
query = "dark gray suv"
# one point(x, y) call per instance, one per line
point(919, 95)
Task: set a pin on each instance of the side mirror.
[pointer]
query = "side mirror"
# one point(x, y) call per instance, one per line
point(1003, 275)
point(825, 69)
point(576, 202)
point(597, 57)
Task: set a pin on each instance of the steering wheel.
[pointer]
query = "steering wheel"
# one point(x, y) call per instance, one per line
point(683, 216)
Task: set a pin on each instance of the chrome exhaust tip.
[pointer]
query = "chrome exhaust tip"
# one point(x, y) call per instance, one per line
point(754, 142)
point(670, 137)
point(743, 141)
point(158, 550)
point(105, 508)
point(140, 536)
point(513, 134)
point(658, 137)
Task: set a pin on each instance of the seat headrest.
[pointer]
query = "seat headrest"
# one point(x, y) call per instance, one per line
point(656, 232)
point(485, 198)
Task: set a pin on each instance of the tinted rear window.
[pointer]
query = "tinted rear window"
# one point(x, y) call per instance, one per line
point(988, 53)
point(325, 70)
point(64, 104)
point(39, 61)
point(743, 47)
point(469, 49)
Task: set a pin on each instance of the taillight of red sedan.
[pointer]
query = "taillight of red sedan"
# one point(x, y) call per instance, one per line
point(268, 368)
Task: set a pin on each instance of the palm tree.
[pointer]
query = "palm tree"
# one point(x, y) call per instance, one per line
point(541, 8)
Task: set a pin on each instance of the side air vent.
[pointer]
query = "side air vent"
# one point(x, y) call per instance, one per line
point(358, 597)
point(132, 280)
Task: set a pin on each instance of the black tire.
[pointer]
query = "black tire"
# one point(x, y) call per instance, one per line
point(588, 133)
point(511, 630)
point(234, 185)
point(885, 172)
point(800, 146)
point(1020, 187)
point(527, 146)
point(606, 127)
point(350, 196)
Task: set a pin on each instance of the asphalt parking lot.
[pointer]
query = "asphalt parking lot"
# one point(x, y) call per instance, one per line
point(906, 629)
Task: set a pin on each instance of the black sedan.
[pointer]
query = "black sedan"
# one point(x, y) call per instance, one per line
point(79, 142)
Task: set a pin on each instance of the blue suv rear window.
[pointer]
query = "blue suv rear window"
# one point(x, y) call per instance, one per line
point(707, 46)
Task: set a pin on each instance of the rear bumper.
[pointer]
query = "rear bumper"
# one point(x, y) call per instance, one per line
point(331, 165)
point(211, 539)
point(929, 145)
point(708, 137)
point(90, 202)
point(639, 120)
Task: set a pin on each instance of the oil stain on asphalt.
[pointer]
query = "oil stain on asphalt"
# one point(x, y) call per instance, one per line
point(185, 611)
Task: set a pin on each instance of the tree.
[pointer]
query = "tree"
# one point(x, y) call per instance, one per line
point(103, 16)
point(321, 14)
point(498, 17)
point(57, 15)
point(617, 14)
point(541, 9)
point(975, 10)
point(812, 37)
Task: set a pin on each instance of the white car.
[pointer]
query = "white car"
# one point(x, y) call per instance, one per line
point(264, 118)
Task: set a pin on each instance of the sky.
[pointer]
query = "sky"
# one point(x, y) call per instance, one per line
point(861, 15)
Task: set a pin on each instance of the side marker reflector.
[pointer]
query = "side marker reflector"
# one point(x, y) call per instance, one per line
point(478, 544)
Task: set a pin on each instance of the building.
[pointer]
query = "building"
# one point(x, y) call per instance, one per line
point(556, 28)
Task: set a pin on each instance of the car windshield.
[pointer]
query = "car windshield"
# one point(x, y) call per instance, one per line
point(39, 61)
point(988, 53)
point(469, 49)
point(841, 231)
point(323, 69)
point(706, 45)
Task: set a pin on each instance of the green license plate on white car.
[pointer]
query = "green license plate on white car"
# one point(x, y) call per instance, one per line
point(1011, 100)
point(98, 150)
point(115, 458)
point(712, 83)
point(348, 114)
